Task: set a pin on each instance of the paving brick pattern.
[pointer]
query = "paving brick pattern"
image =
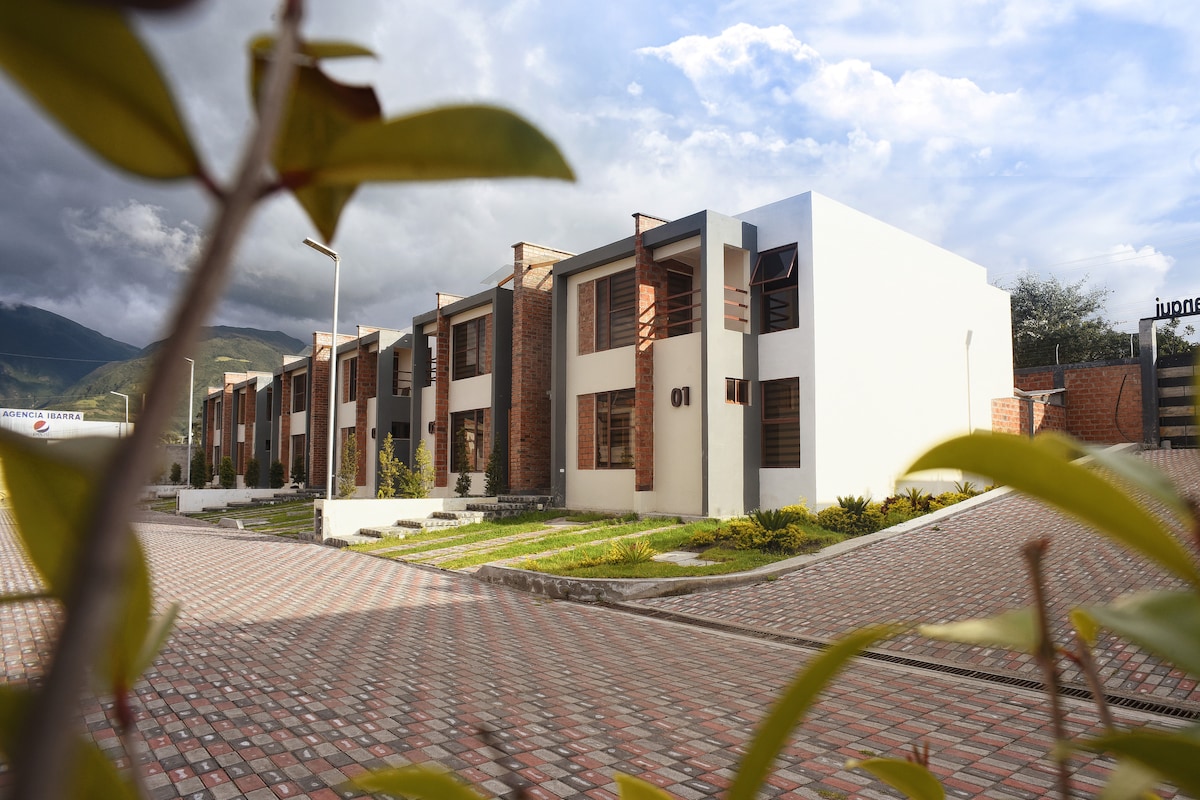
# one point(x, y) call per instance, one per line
point(968, 565)
point(295, 667)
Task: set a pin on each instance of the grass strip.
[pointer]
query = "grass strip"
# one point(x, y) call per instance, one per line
point(554, 541)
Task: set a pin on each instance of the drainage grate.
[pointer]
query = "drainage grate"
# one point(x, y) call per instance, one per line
point(1076, 692)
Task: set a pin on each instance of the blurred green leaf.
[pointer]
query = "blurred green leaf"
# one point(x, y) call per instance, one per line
point(156, 636)
point(416, 781)
point(261, 46)
point(320, 110)
point(51, 494)
point(790, 708)
point(25, 597)
point(1130, 780)
point(631, 788)
point(1014, 630)
point(1173, 756)
point(1164, 623)
point(92, 775)
point(1133, 471)
point(88, 71)
point(1085, 625)
point(913, 780)
point(1047, 473)
point(443, 144)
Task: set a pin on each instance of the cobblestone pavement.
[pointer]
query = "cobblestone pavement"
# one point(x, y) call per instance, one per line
point(295, 667)
point(968, 565)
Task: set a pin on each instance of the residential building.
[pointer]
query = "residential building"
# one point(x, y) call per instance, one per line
point(713, 364)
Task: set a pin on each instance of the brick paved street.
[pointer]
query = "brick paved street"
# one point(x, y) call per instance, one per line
point(967, 566)
point(296, 666)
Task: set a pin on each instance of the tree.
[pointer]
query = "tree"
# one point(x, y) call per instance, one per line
point(417, 481)
point(199, 471)
point(275, 477)
point(252, 473)
point(389, 468)
point(1061, 323)
point(1171, 343)
point(495, 481)
point(348, 473)
point(462, 487)
point(176, 473)
point(228, 473)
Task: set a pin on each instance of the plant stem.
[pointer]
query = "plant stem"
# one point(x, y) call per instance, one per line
point(1033, 553)
point(101, 562)
point(1087, 665)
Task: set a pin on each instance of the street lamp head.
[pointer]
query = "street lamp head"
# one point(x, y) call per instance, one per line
point(320, 248)
point(119, 394)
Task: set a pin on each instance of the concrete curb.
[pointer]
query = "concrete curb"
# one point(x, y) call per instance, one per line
point(615, 590)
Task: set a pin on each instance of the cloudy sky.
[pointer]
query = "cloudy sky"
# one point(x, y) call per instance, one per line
point(1057, 137)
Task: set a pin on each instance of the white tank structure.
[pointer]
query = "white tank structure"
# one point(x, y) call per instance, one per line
point(44, 423)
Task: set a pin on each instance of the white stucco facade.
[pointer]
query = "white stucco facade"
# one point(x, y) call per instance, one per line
point(895, 344)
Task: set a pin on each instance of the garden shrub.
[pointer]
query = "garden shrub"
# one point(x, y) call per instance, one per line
point(631, 551)
point(228, 473)
point(276, 476)
point(252, 472)
point(176, 473)
point(801, 513)
point(198, 475)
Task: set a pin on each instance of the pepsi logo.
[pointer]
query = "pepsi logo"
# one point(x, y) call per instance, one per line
point(41, 426)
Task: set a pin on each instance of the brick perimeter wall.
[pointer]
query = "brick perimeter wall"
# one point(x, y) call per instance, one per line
point(1103, 401)
point(1011, 415)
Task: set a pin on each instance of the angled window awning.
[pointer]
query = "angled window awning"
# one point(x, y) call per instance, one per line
point(774, 265)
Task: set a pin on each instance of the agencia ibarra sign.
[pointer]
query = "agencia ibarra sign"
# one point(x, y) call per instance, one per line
point(50, 424)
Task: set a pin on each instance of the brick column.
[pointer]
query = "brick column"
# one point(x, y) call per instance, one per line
point(441, 430)
point(368, 368)
point(285, 425)
point(651, 282)
point(528, 446)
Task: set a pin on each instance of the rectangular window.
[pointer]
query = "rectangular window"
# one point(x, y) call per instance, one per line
point(469, 425)
point(349, 380)
point(243, 399)
point(217, 410)
point(616, 311)
point(781, 423)
point(737, 391)
point(775, 274)
point(270, 401)
point(681, 301)
point(401, 430)
point(299, 392)
point(401, 379)
point(469, 340)
point(614, 429)
point(299, 453)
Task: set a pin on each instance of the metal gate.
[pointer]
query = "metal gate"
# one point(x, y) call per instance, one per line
point(1177, 401)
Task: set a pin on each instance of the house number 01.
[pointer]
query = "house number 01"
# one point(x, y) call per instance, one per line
point(681, 397)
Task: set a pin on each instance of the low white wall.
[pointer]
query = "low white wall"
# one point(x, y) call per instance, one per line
point(191, 501)
point(345, 517)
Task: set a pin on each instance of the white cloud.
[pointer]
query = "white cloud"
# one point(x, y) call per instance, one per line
point(136, 228)
point(737, 49)
point(634, 88)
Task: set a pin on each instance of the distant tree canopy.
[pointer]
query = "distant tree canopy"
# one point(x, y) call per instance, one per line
point(1062, 323)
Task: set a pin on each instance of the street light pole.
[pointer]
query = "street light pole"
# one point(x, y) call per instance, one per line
point(125, 429)
point(337, 263)
point(191, 396)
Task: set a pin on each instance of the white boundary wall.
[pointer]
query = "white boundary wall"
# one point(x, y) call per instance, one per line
point(345, 517)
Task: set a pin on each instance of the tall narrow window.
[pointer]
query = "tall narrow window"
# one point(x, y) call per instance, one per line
point(218, 411)
point(300, 392)
point(270, 409)
point(469, 339)
point(775, 274)
point(350, 380)
point(781, 423)
point(243, 398)
point(616, 310)
point(469, 425)
point(614, 430)
point(680, 301)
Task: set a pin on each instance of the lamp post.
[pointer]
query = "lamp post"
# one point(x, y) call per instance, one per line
point(191, 396)
point(125, 429)
point(320, 248)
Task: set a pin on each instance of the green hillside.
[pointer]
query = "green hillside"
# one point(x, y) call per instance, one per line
point(49, 361)
point(43, 354)
point(222, 350)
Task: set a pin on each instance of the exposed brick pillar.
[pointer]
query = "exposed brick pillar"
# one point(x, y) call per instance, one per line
point(528, 446)
point(441, 430)
point(651, 282)
point(368, 368)
point(318, 410)
point(228, 432)
point(285, 425)
point(587, 431)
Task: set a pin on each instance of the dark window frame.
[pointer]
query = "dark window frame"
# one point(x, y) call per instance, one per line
point(780, 423)
point(776, 276)
point(681, 303)
point(737, 391)
point(476, 445)
point(614, 428)
point(300, 393)
point(616, 310)
point(468, 342)
point(350, 380)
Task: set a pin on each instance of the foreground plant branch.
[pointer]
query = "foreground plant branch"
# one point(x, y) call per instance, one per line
point(101, 562)
point(1045, 653)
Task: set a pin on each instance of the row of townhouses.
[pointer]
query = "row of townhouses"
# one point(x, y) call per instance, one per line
point(707, 365)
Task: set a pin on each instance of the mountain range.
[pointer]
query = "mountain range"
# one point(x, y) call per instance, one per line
point(49, 361)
